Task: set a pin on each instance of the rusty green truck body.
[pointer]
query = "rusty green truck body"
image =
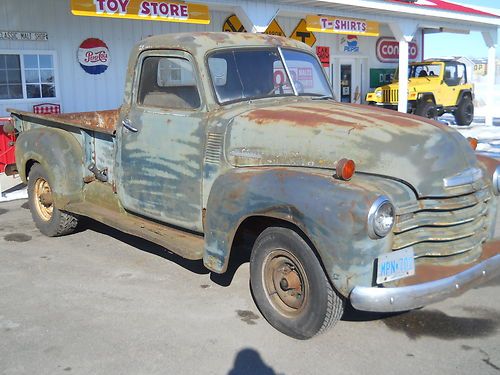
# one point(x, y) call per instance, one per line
point(192, 178)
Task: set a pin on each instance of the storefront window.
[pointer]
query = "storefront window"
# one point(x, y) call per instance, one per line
point(10, 77)
point(27, 76)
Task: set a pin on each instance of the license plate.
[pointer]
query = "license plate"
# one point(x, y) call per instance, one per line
point(395, 265)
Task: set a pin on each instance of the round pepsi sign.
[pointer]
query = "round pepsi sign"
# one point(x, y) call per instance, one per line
point(93, 56)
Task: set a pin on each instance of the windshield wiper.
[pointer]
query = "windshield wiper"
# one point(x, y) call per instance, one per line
point(324, 97)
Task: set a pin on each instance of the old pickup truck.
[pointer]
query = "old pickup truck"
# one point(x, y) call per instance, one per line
point(224, 135)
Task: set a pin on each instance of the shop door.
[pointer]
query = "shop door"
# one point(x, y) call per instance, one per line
point(349, 81)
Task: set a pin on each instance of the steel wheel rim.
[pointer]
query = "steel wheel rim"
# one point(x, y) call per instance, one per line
point(43, 199)
point(285, 283)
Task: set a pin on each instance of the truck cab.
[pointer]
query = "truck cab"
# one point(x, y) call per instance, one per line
point(227, 139)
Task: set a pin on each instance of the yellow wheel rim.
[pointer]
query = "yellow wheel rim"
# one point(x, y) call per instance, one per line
point(43, 199)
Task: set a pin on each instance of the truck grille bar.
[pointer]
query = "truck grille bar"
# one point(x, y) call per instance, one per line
point(444, 227)
point(390, 96)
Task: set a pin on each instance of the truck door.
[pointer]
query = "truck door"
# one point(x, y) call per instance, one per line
point(160, 142)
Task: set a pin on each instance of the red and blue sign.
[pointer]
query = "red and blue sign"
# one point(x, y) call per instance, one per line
point(93, 56)
point(349, 44)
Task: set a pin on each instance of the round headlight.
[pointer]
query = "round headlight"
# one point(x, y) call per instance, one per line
point(378, 93)
point(496, 181)
point(381, 218)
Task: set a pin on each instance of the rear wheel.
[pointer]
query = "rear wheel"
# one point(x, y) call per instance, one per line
point(464, 114)
point(290, 287)
point(48, 219)
point(426, 109)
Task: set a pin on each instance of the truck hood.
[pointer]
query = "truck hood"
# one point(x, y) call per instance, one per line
point(317, 134)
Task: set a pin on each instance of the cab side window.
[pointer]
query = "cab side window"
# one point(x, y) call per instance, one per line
point(168, 82)
point(454, 76)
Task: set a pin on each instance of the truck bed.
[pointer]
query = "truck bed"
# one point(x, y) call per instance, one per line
point(99, 121)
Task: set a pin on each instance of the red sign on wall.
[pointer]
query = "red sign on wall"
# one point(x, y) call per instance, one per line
point(324, 55)
point(388, 50)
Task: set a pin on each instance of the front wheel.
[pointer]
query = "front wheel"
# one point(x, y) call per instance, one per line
point(48, 219)
point(426, 109)
point(464, 114)
point(290, 287)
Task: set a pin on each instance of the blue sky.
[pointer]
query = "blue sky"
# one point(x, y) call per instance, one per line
point(472, 45)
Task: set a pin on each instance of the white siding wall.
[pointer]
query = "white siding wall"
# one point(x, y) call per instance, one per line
point(80, 91)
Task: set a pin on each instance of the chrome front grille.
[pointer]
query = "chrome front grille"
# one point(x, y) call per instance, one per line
point(390, 96)
point(444, 227)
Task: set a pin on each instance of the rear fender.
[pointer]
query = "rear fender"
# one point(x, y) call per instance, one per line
point(60, 155)
point(331, 213)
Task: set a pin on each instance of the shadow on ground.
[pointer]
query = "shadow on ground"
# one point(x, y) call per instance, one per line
point(240, 252)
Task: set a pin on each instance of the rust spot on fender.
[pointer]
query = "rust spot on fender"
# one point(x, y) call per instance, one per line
point(298, 118)
point(334, 112)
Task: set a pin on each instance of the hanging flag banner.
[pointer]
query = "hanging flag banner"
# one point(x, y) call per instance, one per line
point(142, 10)
point(339, 25)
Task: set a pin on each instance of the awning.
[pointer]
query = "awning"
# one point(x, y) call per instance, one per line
point(445, 5)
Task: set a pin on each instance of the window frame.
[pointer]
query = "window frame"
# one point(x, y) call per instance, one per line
point(179, 54)
point(25, 99)
point(278, 48)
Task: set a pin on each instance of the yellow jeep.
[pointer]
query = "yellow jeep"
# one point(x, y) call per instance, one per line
point(435, 87)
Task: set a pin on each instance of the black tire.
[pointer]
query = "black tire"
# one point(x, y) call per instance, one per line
point(48, 219)
point(464, 114)
point(290, 287)
point(426, 109)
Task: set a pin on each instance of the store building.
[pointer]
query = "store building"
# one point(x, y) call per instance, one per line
point(71, 55)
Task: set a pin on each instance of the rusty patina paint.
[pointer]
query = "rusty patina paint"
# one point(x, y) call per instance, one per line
point(272, 157)
point(297, 118)
point(101, 121)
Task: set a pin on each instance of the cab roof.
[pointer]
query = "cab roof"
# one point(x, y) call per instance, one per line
point(201, 42)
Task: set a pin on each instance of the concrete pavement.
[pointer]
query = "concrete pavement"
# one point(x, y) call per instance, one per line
point(102, 302)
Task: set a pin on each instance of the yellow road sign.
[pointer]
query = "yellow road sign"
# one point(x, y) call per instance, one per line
point(302, 34)
point(233, 25)
point(274, 29)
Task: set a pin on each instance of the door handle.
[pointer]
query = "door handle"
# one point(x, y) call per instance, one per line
point(128, 125)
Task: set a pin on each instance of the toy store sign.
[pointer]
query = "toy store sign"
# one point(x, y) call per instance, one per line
point(336, 25)
point(142, 10)
point(388, 50)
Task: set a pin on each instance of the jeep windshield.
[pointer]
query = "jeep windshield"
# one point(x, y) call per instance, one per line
point(246, 74)
point(420, 71)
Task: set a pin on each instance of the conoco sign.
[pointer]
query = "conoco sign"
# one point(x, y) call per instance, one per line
point(388, 50)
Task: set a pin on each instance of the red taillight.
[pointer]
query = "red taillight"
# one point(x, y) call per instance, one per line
point(345, 169)
point(472, 142)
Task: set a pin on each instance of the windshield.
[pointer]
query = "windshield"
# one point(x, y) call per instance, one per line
point(424, 70)
point(245, 74)
point(420, 71)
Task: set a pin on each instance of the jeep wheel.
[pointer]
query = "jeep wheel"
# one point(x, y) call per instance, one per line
point(290, 287)
point(464, 114)
point(426, 109)
point(48, 219)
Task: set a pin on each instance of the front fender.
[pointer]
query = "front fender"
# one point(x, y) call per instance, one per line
point(60, 155)
point(331, 213)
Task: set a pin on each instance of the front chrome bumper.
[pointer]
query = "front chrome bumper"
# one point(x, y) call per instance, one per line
point(414, 296)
